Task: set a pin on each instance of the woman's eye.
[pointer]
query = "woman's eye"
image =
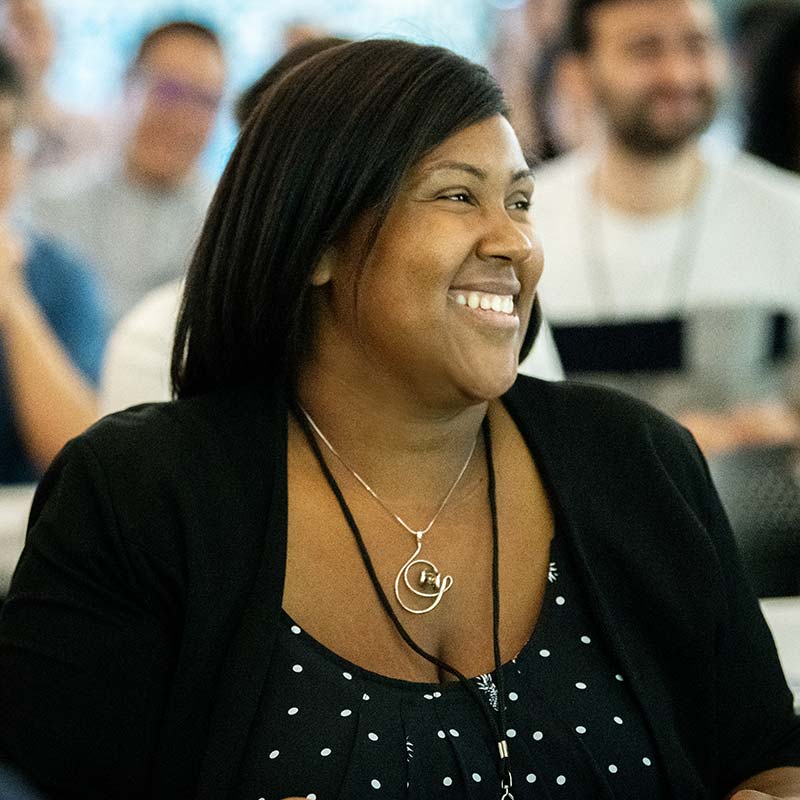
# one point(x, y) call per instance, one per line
point(523, 204)
point(461, 197)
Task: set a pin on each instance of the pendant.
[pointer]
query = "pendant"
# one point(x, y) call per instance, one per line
point(432, 584)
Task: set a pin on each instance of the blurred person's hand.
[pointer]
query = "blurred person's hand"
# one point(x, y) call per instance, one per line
point(750, 425)
point(12, 258)
point(28, 34)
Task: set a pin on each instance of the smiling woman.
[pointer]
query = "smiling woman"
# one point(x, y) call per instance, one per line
point(358, 556)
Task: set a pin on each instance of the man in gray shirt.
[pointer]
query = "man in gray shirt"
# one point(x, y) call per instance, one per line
point(137, 221)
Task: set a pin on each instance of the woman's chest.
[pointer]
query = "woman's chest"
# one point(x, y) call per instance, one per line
point(330, 592)
point(329, 728)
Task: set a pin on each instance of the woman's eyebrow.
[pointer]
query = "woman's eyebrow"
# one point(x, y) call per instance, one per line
point(457, 166)
point(471, 169)
point(521, 173)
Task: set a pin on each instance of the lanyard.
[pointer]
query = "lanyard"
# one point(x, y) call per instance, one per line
point(496, 722)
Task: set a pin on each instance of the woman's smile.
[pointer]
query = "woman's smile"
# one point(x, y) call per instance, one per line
point(487, 308)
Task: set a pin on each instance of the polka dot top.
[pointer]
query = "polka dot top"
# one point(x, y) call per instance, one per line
point(328, 729)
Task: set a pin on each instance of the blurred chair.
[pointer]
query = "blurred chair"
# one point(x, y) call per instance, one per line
point(760, 489)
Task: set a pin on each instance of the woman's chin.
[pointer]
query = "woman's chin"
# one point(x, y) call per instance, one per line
point(483, 384)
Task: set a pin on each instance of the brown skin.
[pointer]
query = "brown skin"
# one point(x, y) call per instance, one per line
point(775, 784)
point(400, 384)
point(170, 134)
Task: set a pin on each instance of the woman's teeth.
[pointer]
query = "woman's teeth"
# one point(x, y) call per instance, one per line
point(501, 303)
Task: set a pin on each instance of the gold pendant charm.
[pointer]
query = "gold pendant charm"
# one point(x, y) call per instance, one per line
point(433, 585)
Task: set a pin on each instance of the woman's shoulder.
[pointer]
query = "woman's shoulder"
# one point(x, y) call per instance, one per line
point(205, 463)
point(576, 406)
point(230, 419)
point(160, 456)
point(603, 432)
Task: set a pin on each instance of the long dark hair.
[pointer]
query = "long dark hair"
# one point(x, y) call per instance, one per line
point(773, 116)
point(331, 140)
point(248, 100)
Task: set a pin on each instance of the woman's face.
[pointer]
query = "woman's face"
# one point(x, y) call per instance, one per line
point(445, 296)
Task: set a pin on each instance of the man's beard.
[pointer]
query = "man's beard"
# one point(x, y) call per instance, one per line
point(633, 125)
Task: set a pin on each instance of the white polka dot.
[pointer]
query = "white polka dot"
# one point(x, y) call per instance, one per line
point(274, 754)
point(511, 733)
point(646, 761)
point(348, 676)
point(618, 720)
point(365, 696)
point(346, 712)
point(373, 737)
point(376, 784)
point(311, 796)
point(544, 653)
point(560, 601)
point(441, 734)
point(448, 781)
point(428, 696)
point(292, 711)
point(538, 736)
point(580, 729)
point(295, 629)
point(453, 732)
point(325, 752)
point(476, 777)
point(580, 685)
point(619, 677)
point(561, 780)
point(530, 777)
point(612, 768)
point(297, 668)
point(437, 694)
point(586, 640)
point(513, 696)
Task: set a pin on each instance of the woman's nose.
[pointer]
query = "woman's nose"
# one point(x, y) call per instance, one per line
point(505, 238)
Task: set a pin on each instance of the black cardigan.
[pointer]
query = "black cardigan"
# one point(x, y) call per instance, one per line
point(139, 625)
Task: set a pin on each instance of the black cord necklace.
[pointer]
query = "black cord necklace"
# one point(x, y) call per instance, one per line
point(496, 723)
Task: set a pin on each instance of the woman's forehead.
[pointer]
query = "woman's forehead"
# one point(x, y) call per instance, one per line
point(488, 147)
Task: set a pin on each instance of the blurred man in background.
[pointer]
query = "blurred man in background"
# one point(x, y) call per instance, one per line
point(139, 220)
point(51, 324)
point(670, 273)
point(136, 368)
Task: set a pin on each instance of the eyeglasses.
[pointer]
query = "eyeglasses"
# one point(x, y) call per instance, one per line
point(172, 92)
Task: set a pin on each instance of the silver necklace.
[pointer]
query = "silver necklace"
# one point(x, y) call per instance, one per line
point(432, 584)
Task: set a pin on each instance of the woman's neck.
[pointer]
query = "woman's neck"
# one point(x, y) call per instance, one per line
point(407, 452)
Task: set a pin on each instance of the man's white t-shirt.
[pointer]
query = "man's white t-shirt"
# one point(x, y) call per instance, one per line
point(724, 263)
point(738, 241)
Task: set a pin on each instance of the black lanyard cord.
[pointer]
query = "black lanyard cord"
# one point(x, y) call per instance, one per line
point(497, 731)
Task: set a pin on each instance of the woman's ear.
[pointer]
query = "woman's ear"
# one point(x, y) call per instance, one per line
point(323, 272)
